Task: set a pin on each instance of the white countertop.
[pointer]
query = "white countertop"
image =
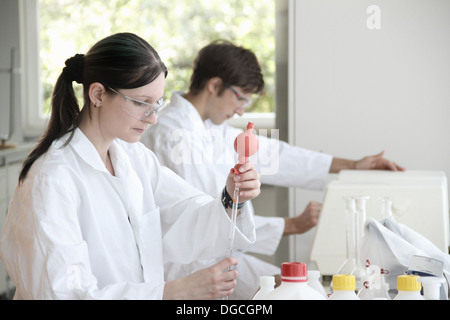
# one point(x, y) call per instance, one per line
point(16, 153)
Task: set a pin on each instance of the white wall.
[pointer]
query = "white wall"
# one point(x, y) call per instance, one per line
point(355, 91)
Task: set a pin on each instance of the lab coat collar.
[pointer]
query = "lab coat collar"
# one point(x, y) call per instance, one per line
point(86, 150)
point(182, 106)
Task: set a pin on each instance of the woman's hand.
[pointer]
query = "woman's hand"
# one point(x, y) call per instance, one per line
point(209, 283)
point(247, 181)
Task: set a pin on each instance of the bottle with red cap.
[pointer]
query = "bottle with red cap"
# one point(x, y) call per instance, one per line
point(294, 284)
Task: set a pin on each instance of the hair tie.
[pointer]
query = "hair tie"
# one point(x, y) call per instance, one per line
point(73, 71)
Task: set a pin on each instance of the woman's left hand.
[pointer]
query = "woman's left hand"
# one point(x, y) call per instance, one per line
point(247, 181)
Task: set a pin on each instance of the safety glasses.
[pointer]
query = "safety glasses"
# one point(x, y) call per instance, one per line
point(244, 102)
point(138, 109)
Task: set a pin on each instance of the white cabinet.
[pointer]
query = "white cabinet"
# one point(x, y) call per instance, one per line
point(10, 166)
point(8, 182)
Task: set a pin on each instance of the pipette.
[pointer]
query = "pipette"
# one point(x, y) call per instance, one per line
point(245, 145)
point(233, 221)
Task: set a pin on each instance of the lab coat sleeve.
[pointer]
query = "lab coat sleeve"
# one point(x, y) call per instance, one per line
point(44, 252)
point(282, 164)
point(269, 231)
point(183, 152)
point(207, 178)
point(195, 225)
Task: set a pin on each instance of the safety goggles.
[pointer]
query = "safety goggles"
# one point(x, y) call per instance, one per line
point(244, 102)
point(138, 109)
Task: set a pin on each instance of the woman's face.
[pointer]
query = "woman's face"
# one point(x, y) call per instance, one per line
point(125, 118)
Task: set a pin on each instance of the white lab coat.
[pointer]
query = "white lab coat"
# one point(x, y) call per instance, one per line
point(74, 231)
point(203, 154)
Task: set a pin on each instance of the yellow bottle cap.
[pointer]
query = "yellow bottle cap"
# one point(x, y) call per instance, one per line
point(408, 283)
point(344, 282)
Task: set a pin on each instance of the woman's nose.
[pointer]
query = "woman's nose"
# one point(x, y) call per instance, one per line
point(151, 119)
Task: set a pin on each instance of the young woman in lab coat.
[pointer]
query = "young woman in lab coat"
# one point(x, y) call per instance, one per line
point(195, 141)
point(95, 215)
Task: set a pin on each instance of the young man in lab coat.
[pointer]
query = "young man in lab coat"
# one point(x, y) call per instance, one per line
point(193, 139)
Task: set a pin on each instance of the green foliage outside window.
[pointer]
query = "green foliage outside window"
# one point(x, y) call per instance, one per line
point(176, 29)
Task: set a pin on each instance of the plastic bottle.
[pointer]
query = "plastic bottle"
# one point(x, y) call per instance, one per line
point(314, 282)
point(294, 284)
point(267, 285)
point(431, 287)
point(424, 266)
point(344, 286)
point(408, 288)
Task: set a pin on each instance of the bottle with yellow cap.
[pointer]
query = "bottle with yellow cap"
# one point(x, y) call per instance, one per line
point(344, 286)
point(408, 288)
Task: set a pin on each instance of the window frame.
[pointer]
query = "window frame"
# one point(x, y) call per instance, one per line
point(260, 120)
point(32, 118)
point(33, 121)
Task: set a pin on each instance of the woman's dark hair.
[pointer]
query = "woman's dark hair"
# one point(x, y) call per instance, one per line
point(121, 61)
point(235, 65)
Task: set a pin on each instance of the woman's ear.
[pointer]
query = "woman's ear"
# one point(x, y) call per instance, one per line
point(96, 93)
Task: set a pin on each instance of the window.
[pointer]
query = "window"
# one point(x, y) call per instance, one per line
point(177, 29)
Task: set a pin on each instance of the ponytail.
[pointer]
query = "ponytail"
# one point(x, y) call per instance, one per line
point(65, 111)
point(122, 60)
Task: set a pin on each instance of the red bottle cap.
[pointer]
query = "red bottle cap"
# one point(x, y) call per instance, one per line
point(294, 272)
